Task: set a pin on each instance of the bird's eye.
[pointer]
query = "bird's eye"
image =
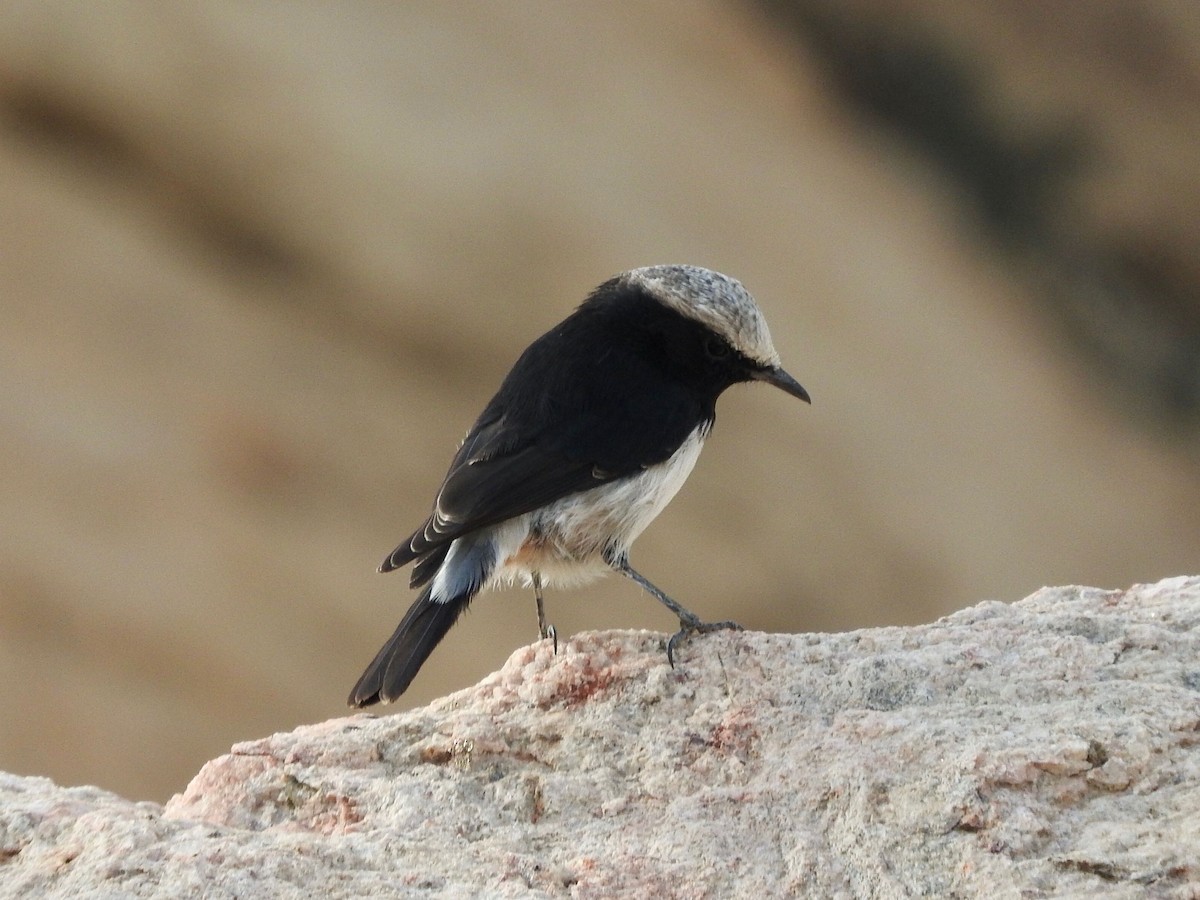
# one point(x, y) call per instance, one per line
point(716, 348)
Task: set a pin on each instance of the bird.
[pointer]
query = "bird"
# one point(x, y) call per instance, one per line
point(590, 435)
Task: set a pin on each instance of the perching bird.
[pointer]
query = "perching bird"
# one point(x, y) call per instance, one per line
point(591, 434)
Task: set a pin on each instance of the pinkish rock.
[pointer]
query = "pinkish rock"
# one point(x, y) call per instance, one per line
point(1047, 748)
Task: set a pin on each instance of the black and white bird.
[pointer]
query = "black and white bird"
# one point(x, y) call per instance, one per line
point(591, 434)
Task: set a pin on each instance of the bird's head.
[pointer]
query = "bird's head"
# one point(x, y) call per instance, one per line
point(723, 306)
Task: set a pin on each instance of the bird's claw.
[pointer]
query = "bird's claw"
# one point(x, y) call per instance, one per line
point(695, 626)
point(549, 631)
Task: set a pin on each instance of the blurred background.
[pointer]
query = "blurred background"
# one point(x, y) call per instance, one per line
point(262, 265)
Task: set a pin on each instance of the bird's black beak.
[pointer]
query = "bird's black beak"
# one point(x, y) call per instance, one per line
point(783, 381)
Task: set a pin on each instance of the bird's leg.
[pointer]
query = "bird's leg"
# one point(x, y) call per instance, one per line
point(689, 622)
point(544, 630)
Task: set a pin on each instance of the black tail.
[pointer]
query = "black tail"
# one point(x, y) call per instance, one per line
point(397, 663)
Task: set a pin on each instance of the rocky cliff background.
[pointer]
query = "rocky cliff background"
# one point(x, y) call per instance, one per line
point(261, 267)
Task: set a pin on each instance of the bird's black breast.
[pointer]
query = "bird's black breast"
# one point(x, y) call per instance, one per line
point(620, 383)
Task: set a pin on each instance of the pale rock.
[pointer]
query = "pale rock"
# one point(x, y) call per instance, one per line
point(1047, 748)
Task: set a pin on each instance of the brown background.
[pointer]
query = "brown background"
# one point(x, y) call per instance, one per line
point(263, 264)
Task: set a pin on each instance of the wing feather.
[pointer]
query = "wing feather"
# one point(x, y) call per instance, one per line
point(562, 422)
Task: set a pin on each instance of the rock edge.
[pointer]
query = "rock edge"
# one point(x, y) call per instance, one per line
point(1048, 747)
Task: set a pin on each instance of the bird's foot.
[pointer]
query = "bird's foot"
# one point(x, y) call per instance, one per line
point(544, 629)
point(693, 625)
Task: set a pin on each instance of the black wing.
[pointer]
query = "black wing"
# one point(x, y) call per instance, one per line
point(584, 405)
point(482, 490)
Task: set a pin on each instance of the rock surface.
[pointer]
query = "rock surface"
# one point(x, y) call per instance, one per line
point(1047, 748)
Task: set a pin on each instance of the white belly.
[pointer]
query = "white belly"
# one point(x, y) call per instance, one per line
point(565, 541)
